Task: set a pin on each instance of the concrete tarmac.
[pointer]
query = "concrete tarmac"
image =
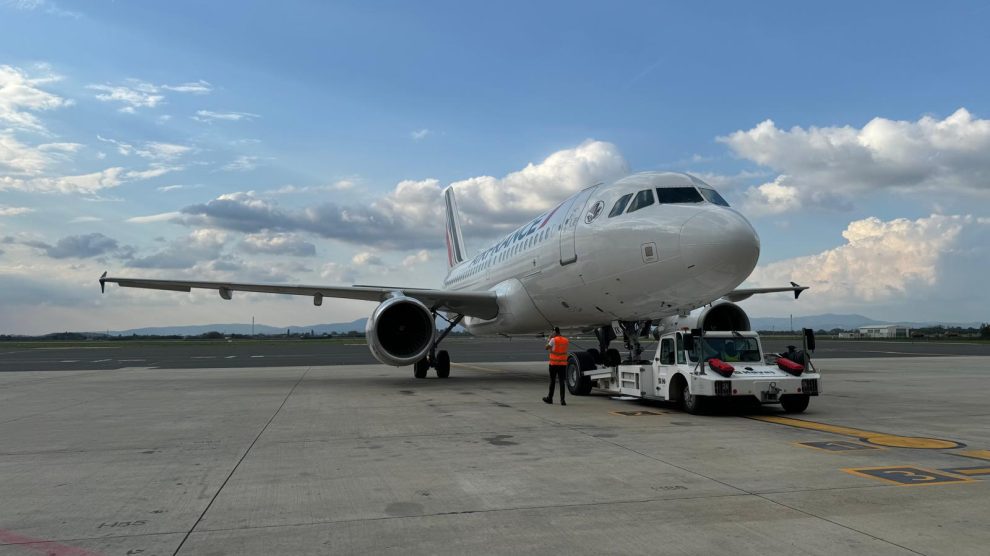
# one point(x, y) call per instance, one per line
point(190, 354)
point(364, 459)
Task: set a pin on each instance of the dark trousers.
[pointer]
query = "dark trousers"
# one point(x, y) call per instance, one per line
point(557, 373)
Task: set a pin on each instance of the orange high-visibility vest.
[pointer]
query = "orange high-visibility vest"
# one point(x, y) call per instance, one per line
point(558, 353)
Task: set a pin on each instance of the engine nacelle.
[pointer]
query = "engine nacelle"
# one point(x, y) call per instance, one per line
point(720, 316)
point(400, 331)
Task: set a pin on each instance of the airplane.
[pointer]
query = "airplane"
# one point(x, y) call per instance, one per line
point(611, 259)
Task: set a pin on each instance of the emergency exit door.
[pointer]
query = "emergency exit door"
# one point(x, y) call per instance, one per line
point(574, 214)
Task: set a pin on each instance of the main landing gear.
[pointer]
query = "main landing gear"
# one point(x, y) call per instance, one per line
point(439, 360)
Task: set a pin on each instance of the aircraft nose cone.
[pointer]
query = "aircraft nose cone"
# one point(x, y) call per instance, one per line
point(720, 247)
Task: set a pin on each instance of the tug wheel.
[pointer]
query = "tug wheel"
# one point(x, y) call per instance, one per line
point(795, 403)
point(695, 405)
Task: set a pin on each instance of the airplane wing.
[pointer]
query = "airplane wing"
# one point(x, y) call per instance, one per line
point(481, 304)
point(746, 293)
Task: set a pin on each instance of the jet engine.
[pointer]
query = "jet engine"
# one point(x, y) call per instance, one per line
point(721, 315)
point(400, 331)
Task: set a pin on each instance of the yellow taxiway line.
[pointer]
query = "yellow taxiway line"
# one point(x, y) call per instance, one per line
point(871, 437)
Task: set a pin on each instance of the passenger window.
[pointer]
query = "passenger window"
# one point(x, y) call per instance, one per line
point(642, 199)
point(667, 352)
point(676, 195)
point(619, 205)
point(680, 349)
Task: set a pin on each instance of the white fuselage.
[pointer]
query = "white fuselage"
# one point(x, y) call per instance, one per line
point(584, 264)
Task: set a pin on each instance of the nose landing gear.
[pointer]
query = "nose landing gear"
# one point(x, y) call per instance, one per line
point(632, 331)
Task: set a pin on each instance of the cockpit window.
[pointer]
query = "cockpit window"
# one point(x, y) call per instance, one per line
point(673, 195)
point(620, 205)
point(642, 199)
point(713, 197)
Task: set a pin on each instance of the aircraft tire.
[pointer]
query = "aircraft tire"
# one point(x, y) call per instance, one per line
point(577, 383)
point(420, 368)
point(795, 403)
point(443, 364)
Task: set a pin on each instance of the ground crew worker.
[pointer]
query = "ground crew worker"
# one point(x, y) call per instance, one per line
point(731, 354)
point(557, 346)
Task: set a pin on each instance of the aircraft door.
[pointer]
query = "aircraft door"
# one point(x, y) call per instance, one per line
point(568, 230)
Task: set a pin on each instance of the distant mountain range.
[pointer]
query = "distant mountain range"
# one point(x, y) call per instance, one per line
point(817, 322)
point(845, 322)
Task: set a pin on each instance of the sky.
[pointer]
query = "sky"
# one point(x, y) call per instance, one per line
point(308, 142)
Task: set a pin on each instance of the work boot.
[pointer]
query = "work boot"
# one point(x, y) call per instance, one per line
point(562, 402)
point(546, 399)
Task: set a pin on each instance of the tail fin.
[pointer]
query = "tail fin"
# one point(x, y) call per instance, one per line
point(455, 241)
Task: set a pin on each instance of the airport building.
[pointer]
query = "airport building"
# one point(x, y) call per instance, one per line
point(885, 331)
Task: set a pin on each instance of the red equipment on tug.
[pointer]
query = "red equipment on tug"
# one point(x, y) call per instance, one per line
point(721, 367)
point(790, 366)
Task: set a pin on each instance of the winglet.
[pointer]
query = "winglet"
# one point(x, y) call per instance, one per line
point(103, 282)
point(797, 292)
point(455, 241)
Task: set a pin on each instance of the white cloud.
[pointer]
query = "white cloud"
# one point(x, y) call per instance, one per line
point(337, 273)
point(195, 87)
point(153, 171)
point(204, 245)
point(366, 258)
point(125, 149)
point(494, 203)
point(46, 6)
point(136, 93)
point(243, 163)
point(153, 218)
point(209, 116)
point(416, 259)
point(340, 185)
point(20, 95)
point(420, 134)
point(900, 262)
point(14, 211)
point(20, 159)
point(278, 244)
point(60, 147)
point(163, 151)
point(85, 183)
point(85, 219)
point(410, 215)
point(828, 166)
point(152, 150)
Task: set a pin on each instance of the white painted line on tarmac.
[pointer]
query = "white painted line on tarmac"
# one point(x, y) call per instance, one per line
point(70, 361)
point(130, 360)
point(257, 357)
point(101, 360)
point(204, 357)
point(230, 357)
